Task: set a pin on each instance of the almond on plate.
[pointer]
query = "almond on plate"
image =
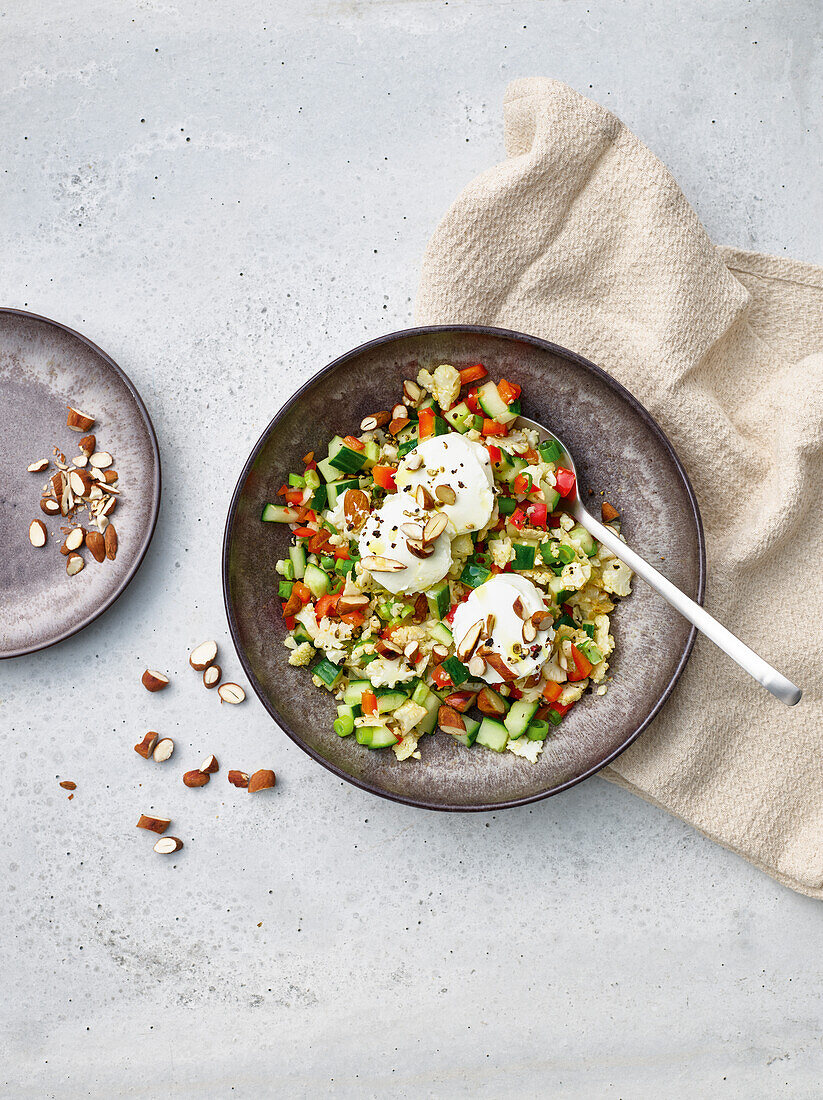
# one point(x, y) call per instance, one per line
point(37, 533)
point(210, 765)
point(74, 563)
point(196, 778)
point(88, 445)
point(163, 750)
point(97, 547)
point(110, 542)
point(78, 421)
point(38, 467)
point(238, 779)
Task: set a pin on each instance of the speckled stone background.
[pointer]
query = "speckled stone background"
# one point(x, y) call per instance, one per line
point(225, 196)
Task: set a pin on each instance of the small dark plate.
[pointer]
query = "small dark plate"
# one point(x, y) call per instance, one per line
point(44, 367)
point(618, 448)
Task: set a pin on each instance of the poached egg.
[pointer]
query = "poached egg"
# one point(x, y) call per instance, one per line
point(382, 536)
point(462, 465)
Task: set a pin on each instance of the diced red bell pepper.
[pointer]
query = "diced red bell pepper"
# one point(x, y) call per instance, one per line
point(515, 693)
point(509, 391)
point(564, 481)
point(384, 477)
point(560, 709)
point(307, 459)
point(460, 700)
point(306, 515)
point(582, 665)
point(326, 605)
point(538, 514)
point(525, 483)
point(473, 403)
point(491, 427)
point(294, 496)
point(281, 492)
point(368, 702)
point(302, 591)
point(353, 618)
point(304, 532)
point(290, 622)
point(554, 519)
point(341, 553)
point(441, 678)
point(517, 518)
point(425, 423)
point(552, 691)
point(472, 374)
point(531, 456)
point(495, 454)
point(354, 443)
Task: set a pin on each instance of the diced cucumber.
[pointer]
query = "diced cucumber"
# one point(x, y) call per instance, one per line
point(439, 599)
point(506, 506)
point(328, 672)
point(474, 575)
point(298, 560)
point(376, 737)
point(441, 633)
point(492, 735)
point(432, 705)
point(300, 634)
point(407, 445)
point(538, 730)
point(389, 699)
point(371, 453)
point(278, 513)
point(339, 488)
point(469, 736)
point(353, 695)
point(345, 458)
point(493, 405)
point(581, 538)
point(284, 589)
point(550, 495)
point(320, 498)
point(420, 694)
point(518, 718)
point(460, 417)
point(297, 481)
point(329, 472)
point(558, 590)
point(509, 467)
point(317, 581)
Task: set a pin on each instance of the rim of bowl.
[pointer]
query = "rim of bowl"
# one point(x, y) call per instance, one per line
point(8, 311)
point(508, 334)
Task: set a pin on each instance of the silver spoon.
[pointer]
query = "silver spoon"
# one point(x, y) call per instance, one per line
point(768, 677)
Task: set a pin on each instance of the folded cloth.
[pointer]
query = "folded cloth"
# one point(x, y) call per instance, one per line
point(582, 236)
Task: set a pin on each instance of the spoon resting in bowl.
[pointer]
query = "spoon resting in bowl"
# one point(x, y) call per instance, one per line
point(772, 680)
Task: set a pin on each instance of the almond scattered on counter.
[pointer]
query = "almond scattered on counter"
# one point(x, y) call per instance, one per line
point(203, 655)
point(608, 512)
point(152, 680)
point(168, 844)
point(155, 824)
point(88, 445)
point(38, 467)
point(146, 746)
point(78, 421)
point(96, 546)
point(231, 693)
point(37, 533)
point(238, 779)
point(49, 506)
point(211, 676)
point(100, 460)
point(110, 542)
point(68, 785)
point(74, 563)
point(210, 765)
point(261, 780)
point(163, 750)
point(196, 778)
point(74, 540)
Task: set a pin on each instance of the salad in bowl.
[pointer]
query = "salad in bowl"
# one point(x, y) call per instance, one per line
point(433, 580)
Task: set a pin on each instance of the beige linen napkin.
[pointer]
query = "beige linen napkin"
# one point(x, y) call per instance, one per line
point(582, 236)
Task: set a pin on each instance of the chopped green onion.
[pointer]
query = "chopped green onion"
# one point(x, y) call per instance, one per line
point(326, 562)
point(344, 725)
point(296, 481)
point(343, 566)
point(506, 505)
point(555, 718)
point(550, 451)
point(565, 553)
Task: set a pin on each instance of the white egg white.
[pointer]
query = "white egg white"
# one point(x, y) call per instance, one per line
point(459, 463)
point(382, 537)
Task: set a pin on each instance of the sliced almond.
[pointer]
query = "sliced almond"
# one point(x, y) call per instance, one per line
point(450, 721)
point(238, 779)
point(445, 494)
point(469, 640)
point(488, 625)
point(477, 665)
point(440, 652)
point(49, 506)
point(38, 467)
point(435, 527)
point(101, 460)
point(397, 424)
point(74, 540)
point(231, 693)
point(68, 785)
point(387, 649)
point(211, 676)
point(196, 778)
point(38, 533)
point(110, 539)
point(347, 604)
point(411, 651)
point(152, 680)
point(145, 747)
point(411, 392)
point(261, 780)
point(518, 609)
point(376, 564)
point(419, 549)
point(58, 483)
point(80, 482)
point(155, 824)
point(78, 421)
point(88, 445)
point(356, 508)
point(411, 530)
point(203, 655)
point(399, 412)
point(95, 493)
point(529, 631)
point(210, 765)
point(376, 420)
point(80, 461)
point(542, 620)
point(608, 512)
point(168, 844)
point(96, 545)
point(421, 609)
point(74, 563)
point(500, 667)
point(109, 476)
point(108, 506)
point(163, 750)
point(424, 498)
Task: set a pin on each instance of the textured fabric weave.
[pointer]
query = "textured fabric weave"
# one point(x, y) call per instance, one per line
point(582, 236)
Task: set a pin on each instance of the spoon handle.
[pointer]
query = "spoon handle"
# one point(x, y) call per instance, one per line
point(768, 677)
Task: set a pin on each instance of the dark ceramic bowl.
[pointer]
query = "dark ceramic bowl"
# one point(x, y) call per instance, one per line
point(618, 448)
point(44, 367)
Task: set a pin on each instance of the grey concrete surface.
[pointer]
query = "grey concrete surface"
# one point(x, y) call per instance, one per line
point(225, 196)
